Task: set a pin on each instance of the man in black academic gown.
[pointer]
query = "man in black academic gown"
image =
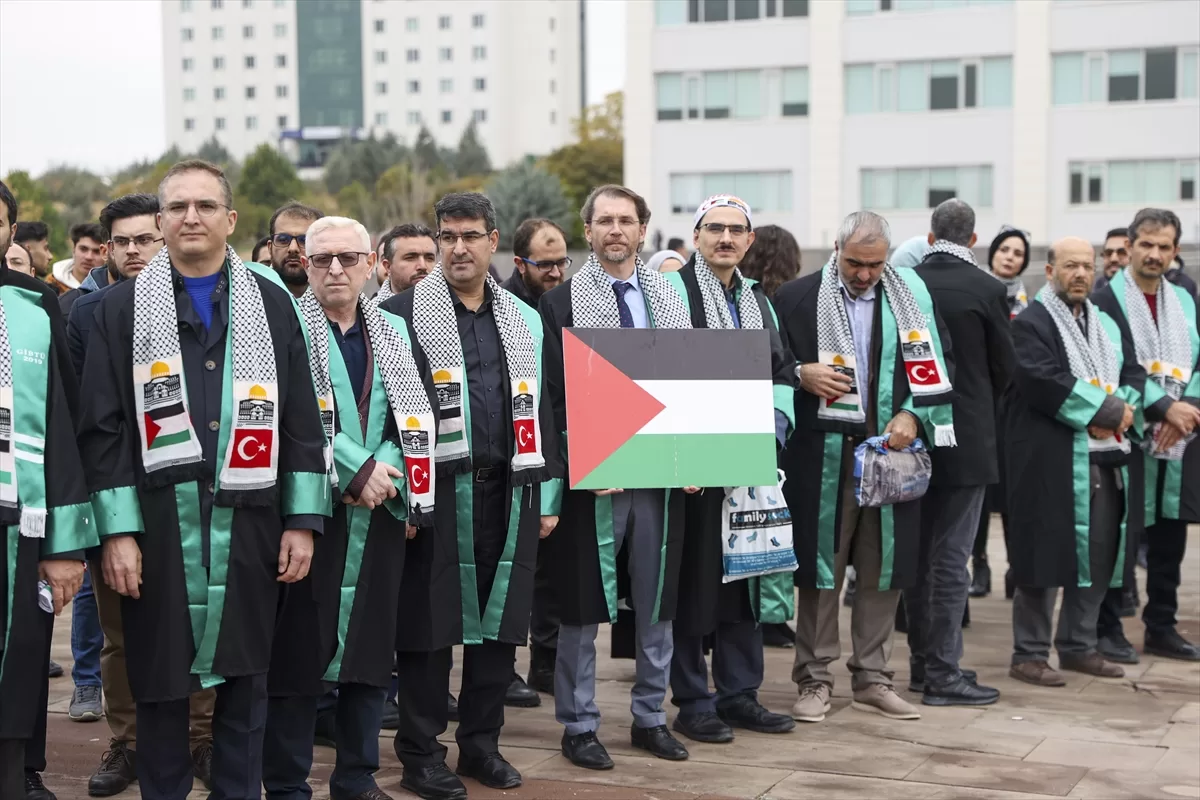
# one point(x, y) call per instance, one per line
point(207, 470)
point(731, 613)
point(469, 579)
point(974, 307)
point(45, 515)
point(1075, 394)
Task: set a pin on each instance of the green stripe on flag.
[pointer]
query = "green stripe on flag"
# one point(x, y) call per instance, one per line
point(456, 436)
point(168, 439)
point(708, 459)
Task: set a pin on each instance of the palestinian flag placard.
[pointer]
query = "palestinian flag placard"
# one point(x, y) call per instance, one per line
point(658, 408)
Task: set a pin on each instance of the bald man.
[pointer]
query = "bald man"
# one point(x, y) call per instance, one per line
point(1074, 397)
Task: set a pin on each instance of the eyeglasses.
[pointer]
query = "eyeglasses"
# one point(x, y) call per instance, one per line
point(325, 260)
point(286, 239)
point(450, 239)
point(205, 208)
point(563, 264)
point(145, 240)
point(1109, 252)
point(718, 229)
point(609, 222)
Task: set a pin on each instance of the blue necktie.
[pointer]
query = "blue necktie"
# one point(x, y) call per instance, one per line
point(621, 287)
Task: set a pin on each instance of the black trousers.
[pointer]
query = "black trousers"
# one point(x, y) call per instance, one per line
point(1166, 542)
point(981, 534)
point(424, 682)
point(12, 768)
point(35, 746)
point(1109, 621)
point(164, 763)
point(544, 617)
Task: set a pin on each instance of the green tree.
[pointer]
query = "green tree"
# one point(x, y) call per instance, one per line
point(268, 179)
point(363, 161)
point(524, 191)
point(34, 204)
point(596, 159)
point(425, 152)
point(472, 157)
point(214, 152)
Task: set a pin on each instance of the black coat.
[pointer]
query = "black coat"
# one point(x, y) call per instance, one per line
point(974, 307)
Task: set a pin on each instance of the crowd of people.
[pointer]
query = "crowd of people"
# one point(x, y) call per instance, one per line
point(278, 503)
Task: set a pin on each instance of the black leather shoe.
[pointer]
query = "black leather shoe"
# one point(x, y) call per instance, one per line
point(541, 670)
point(433, 783)
point(117, 770)
point(374, 793)
point(778, 635)
point(1167, 643)
point(391, 715)
point(1129, 601)
point(703, 727)
point(56, 670)
point(519, 695)
point(35, 789)
point(981, 579)
point(917, 682)
point(1116, 648)
point(658, 741)
point(961, 692)
point(746, 712)
point(492, 771)
point(584, 750)
point(1010, 584)
point(202, 763)
point(451, 708)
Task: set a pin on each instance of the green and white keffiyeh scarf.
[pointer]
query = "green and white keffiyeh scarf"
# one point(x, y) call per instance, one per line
point(1164, 349)
point(1091, 358)
point(594, 302)
point(436, 328)
point(405, 392)
point(251, 458)
point(924, 365)
point(23, 421)
point(716, 310)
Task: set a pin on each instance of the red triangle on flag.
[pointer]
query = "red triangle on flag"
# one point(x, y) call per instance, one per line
point(605, 408)
point(152, 429)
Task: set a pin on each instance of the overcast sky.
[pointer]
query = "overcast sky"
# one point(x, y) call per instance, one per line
point(82, 79)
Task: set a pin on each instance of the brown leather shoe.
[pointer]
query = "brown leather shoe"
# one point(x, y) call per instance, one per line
point(1039, 673)
point(1090, 664)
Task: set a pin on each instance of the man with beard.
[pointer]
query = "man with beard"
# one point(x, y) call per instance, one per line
point(1115, 255)
point(286, 231)
point(613, 289)
point(35, 236)
point(408, 253)
point(1161, 319)
point(540, 260)
point(131, 205)
point(1073, 397)
point(734, 613)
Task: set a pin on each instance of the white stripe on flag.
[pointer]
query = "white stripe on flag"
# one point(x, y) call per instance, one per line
point(708, 406)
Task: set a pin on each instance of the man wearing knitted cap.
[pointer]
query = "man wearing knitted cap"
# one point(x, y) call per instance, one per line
point(733, 613)
point(874, 359)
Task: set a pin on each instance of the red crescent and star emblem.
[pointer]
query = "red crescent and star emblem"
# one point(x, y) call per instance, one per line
point(526, 438)
point(251, 449)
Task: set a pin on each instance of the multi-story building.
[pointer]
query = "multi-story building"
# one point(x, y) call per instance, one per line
point(311, 72)
point(1061, 117)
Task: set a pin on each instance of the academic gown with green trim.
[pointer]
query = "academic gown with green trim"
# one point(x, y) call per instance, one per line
point(44, 384)
point(201, 616)
point(439, 594)
point(1166, 489)
point(812, 459)
point(1046, 415)
point(584, 561)
point(704, 601)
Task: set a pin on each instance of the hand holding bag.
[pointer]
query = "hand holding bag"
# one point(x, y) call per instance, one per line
point(883, 476)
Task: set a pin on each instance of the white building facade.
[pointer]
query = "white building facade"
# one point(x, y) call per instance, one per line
point(1061, 117)
point(315, 71)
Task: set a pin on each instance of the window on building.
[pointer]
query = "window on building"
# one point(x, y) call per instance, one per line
point(480, 84)
point(997, 83)
point(745, 9)
point(854, 7)
point(859, 86)
point(1189, 73)
point(247, 3)
point(1161, 72)
point(189, 94)
point(217, 5)
point(381, 119)
point(189, 124)
point(717, 91)
point(218, 93)
point(186, 34)
point(764, 191)
point(795, 92)
point(477, 21)
point(247, 31)
point(669, 91)
point(943, 85)
point(478, 53)
point(912, 87)
point(795, 8)
point(251, 123)
point(479, 115)
point(447, 116)
point(414, 87)
point(281, 91)
point(280, 3)
point(218, 33)
point(219, 123)
point(412, 56)
point(970, 85)
point(381, 56)
point(670, 12)
point(444, 23)
point(1133, 183)
point(446, 85)
point(281, 121)
point(748, 94)
point(188, 64)
point(280, 30)
point(885, 88)
point(1124, 75)
point(1188, 171)
point(380, 27)
point(249, 62)
point(925, 187)
point(250, 92)
point(412, 24)
point(280, 60)
point(1068, 79)
point(185, 5)
point(218, 62)
point(380, 87)
point(716, 10)
point(445, 54)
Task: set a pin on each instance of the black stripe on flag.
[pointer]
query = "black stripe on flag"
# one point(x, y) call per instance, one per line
point(165, 412)
point(699, 354)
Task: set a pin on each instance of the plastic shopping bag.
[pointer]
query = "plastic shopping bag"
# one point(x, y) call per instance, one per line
point(883, 477)
point(756, 532)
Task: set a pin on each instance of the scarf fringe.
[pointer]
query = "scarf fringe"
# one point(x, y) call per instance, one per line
point(527, 477)
point(180, 473)
point(457, 466)
point(943, 436)
point(423, 518)
point(248, 498)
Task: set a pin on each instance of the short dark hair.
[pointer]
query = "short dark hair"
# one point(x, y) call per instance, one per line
point(260, 244)
point(674, 243)
point(88, 230)
point(34, 231)
point(615, 190)
point(953, 221)
point(131, 205)
point(466, 205)
point(10, 202)
point(293, 209)
point(523, 236)
point(773, 259)
point(1154, 218)
point(1122, 232)
point(406, 230)
point(199, 165)
point(1050, 254)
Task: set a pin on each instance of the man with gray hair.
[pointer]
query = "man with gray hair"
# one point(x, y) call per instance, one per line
point(974, 307)
point(873, 360)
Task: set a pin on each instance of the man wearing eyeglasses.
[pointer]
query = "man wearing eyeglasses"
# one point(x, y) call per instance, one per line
point(286, 232)
point(540, 260)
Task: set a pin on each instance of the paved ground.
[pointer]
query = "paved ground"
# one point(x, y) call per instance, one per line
point(1138, 737)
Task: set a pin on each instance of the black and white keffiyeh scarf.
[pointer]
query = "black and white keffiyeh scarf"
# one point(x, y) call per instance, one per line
point(956, 250)
point(594, 303)
point(1164, 349)
point(1091, 358)
point(385, 291)
point(436, 328)
point(716, 309)
point(405, 392)
point(251, 458)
